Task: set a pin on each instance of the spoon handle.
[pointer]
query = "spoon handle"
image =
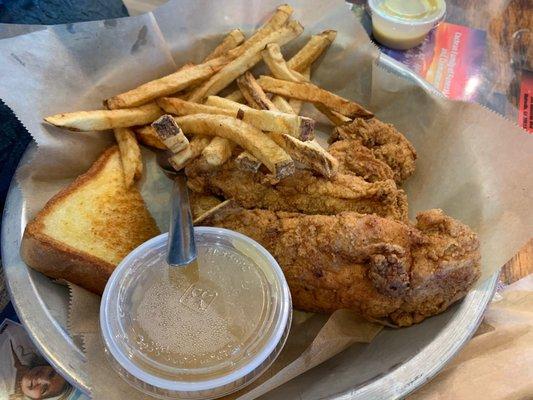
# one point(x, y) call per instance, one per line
point(181, 247)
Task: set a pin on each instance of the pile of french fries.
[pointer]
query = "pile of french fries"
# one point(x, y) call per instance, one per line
point(258, 122)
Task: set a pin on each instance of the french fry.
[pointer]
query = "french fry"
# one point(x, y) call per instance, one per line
point(179, 160)
point(218, 151)
point(320, 44)
point(301, 61)
point(309, 153)
point(236, 95)
point(253, 93)
point(185, 66)
point(296, 105)
point(231, 105)
point(336, 118)
point(272, 121)
point(280, 17)
point(244, 62)
point(130, 154)
point(224, 102)
point(248, 137)
point(283, 105)
point(170, 134)
point(312, 50)
point(313, 94)
point(231, 41)
point(280, 70)
point(179, 80)
point(290, 107)
point(100, 120)
point(278, 67)
point(148, 136)
point(176, 106)
point(247, 162)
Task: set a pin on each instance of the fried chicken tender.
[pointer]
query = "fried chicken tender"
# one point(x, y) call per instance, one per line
point(387, 144)
point(354, 158)
point(201, 203)
point(301, 192)
point(385, 270)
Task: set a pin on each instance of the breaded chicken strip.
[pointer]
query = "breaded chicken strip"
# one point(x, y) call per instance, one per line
point(387, 144)
point(301, 192)
point(385, 270)
point(201, 203)
point(354, 158)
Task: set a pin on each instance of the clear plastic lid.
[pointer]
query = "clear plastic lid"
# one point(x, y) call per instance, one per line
point(409, 11)
point(403, 24)
point(201, 331)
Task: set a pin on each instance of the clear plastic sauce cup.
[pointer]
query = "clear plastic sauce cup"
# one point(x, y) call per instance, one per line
point(198, 332)
point(403, 24)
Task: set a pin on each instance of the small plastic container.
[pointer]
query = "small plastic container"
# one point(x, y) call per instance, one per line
point(200, 333)
point(403, 24)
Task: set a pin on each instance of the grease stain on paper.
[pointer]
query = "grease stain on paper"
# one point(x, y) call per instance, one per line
point(18, 59)
point(110, 23)
point(141, 39)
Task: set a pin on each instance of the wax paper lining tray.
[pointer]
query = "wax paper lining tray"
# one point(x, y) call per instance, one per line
point(394, 364)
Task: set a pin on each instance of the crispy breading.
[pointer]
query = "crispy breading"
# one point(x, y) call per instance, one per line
point(385, 270)
point(387, 144)
point(201, 203)
point(301, 192)
point(354, 158)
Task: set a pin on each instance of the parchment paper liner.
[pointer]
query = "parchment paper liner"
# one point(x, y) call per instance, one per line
point(472, 163)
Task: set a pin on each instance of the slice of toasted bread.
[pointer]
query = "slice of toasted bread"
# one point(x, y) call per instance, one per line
point(85, 230)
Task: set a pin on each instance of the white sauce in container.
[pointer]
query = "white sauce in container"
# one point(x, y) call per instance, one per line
point(403, 24)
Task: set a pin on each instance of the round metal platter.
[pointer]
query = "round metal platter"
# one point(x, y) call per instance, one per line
point(396, 363)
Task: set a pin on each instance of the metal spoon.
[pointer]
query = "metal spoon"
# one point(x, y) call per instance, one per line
point(181, 248)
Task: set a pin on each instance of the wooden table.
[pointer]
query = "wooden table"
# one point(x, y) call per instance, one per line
point(519, 266)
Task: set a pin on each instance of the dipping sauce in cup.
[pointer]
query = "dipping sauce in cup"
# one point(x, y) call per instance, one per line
point(403, 24)
point(198, 332)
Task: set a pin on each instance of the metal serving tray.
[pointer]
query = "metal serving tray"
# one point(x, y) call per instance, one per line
point(396, 363)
